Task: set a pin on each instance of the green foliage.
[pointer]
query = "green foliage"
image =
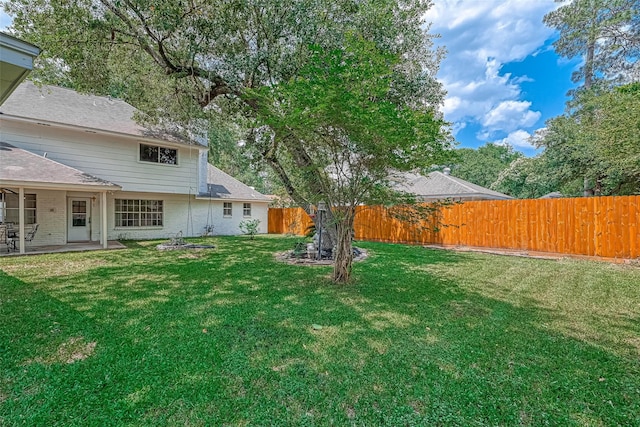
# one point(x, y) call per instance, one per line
point(530, 178)
point(341, 134)
point(593, 146)
point(484, 165)
point(316, 84)
point(250, 227)
point(340, 108)
point(233, 337)
point(598, 139)
point(606, 33)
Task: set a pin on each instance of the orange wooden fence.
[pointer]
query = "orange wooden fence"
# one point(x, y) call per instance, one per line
point(595, 226)
point(288, 221)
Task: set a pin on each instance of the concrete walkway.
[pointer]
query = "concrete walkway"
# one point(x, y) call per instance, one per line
point(69, 247)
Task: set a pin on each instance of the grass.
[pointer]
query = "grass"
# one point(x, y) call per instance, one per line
point(230, 336)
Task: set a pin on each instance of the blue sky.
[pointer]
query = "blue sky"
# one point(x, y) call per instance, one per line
point(502, 77)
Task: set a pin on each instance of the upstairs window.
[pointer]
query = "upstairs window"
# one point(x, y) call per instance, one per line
point(155, 154)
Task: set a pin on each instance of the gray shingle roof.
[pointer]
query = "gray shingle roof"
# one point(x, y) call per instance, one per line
point(438, 185)
point(21, 166)
point(223, 186)
point(52, 104)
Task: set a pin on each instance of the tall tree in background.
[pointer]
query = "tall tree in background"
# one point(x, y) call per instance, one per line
point(605, 33)
point(581, 144)
point(483, 165)
point(599, 138)
point(188, 61)
point(529, 178)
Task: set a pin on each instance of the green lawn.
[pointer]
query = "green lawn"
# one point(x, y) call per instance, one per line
point(230, 336)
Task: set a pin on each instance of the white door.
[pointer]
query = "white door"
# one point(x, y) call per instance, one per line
point(79, 227)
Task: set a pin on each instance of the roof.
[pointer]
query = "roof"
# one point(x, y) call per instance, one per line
point(223, 186)
point(16, 61)
point(437, 185)
point(20, 166)
point(552, 195)
point(57, 105)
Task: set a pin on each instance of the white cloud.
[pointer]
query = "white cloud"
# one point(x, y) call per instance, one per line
point(481, 36)
point(519, 139)
point(510, 115)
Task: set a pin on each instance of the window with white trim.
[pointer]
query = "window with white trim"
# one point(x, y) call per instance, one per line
point(227, 209)
point(139, 213)
point(156, 154)
point(10, 208)
point(246, 209)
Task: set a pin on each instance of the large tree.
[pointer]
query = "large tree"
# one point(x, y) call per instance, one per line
point(593, 146)
point(189, 60)
point(605, 33)
point(483, 165)
point(597, 141)
point(340, 108)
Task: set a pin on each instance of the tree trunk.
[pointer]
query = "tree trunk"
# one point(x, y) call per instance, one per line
point(343, 253)
point(588, 65)
point(587, 191)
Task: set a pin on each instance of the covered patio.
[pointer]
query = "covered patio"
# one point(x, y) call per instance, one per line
point(66, 204)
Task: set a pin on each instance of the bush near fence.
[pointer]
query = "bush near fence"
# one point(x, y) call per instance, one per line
point(606, 227)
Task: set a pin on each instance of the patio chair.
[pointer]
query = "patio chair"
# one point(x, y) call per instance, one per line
point(28, 237)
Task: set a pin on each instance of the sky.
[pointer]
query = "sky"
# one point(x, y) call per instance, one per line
point(502, 76)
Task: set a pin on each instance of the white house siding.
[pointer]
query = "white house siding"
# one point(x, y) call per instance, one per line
point(231, 226)
point(176, 217)
point(109, 157)
point(51, 215)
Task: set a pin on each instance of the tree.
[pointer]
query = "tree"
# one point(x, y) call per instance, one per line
point(191, 60)
point(527, 178)
point(483, 165)
point(339, 108)
point(606, 33)
point(597, 141)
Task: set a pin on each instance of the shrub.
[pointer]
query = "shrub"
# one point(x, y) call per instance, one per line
point(250, 227)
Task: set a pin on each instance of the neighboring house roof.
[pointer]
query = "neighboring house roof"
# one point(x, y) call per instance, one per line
point(20, 166)
point(56, 105)
point(223, 186)
point(438, 185)
point(552, 195)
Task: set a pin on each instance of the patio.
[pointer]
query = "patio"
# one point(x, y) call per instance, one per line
point(69, 247)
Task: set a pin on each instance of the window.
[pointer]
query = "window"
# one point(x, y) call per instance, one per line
point(138, 213)
point(79, 213)
point(153, 154)
point(227, 209)
point(10, 208)
point(246, 209)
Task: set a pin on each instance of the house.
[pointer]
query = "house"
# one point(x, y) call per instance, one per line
point(16, 62)
point(441, 185)
point(84, 170)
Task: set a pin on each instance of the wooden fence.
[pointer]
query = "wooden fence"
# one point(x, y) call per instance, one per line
point(606, 227)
